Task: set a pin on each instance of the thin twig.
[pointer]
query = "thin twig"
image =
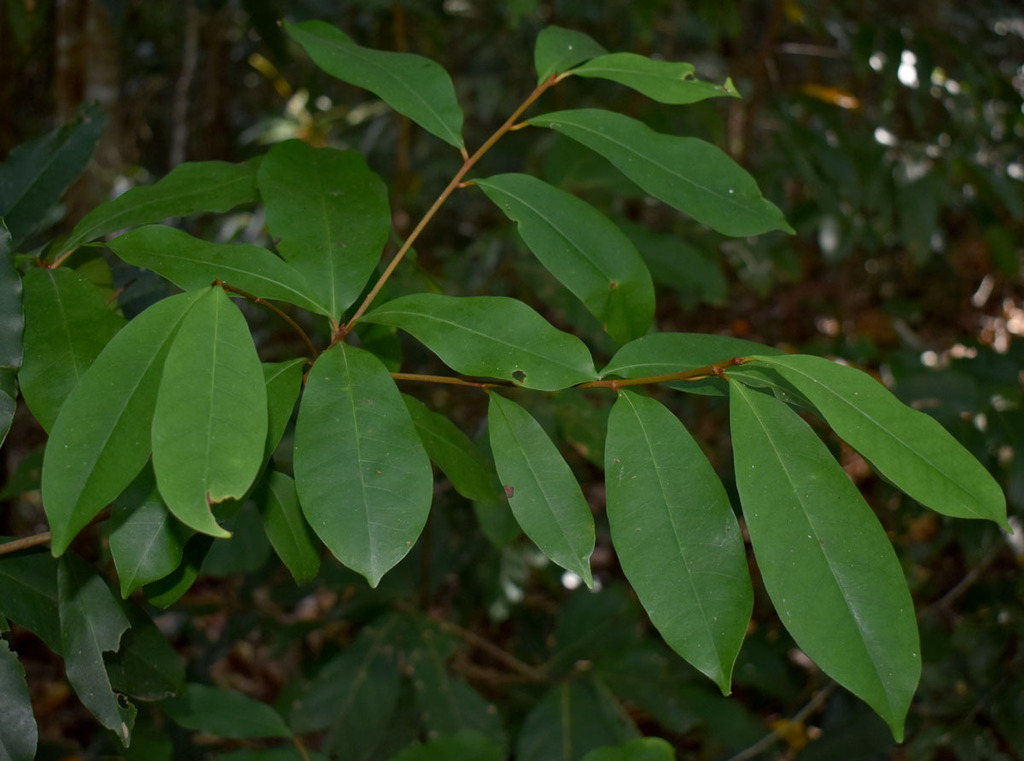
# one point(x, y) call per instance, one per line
point(276, 310)
point(813, 705)
point(450, 381)
point(532, 673)
point(24, 543)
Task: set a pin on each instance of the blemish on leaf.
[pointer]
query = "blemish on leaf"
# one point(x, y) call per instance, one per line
point(613, 285)
point(509, 490)
point(518, 376)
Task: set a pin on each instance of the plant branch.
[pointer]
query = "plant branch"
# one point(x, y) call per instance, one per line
point(276, 310)
point(716, 370)
point(530, 672)
point(467, 164)
point(449, 380)
point(35, 540)
point(813, 705)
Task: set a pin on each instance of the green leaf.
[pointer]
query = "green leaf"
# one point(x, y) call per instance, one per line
point(411, 84)
point(224, 713)
point(582, 248)
point(286, 528)
point(37, 173)
point(192, 264)
point(672, 353)
point(642, 749)
point(284, 382)
point(687, 173)
point(571, 719)
point(541, 488)
point(91, 623)
point(146, 541)
point(211, 186)
point(12, 325)
point(664, 81)
point(826, 561)
point(357, 690)
point(491, 336)
point(29, 581)
point(676, 536)
point(458, 458)
point(467, 745)
point(557, 50)
point(364, 482)
point(329, 216)
point(68, 321)
point(170, 588)
point(101, 438)
point(908, 447)
point(145, 666)
point(19, 734)
point(210, 422)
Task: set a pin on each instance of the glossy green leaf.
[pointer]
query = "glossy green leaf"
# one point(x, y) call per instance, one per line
point(224, 713)
point(541, 488)
point(687, 173)
point(491, 336)
point(146, 541)
point(170, 588)
point(676, 536)
point(364, 482)
point(37, 173)
point(908, 447)
point(411, 84)
point(210, 186)
point(557, 50)
point(68, 321)
point(29, 581)
point(642, 749)
point(451, 450)
point(825, 559)
point(664, 81)
point(329, 216)
point(12, 325)
point(101, 438)
point(286, 528)
point(467, 745)
point(192, 264)
point(18, 732)
point(671, 353)
point(145, 666)
point(210, 422)
point(91, 623)
point(284, 382)
point(582, 248)
point(573, 718)
point(356, 690)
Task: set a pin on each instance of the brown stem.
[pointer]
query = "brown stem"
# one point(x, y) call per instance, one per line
point(708, 371)
point(530, 672)
point(467, 164)
point(276, 310)
point(422, 378)
point(813, 705)
point(26, 542)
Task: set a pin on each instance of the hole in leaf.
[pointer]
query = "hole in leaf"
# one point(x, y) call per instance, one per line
point(518, 376)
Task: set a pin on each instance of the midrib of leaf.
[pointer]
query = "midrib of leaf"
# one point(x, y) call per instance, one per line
point(445, 680)
point(329, 229)
point(358, 441)
point(207, 440)
point(134, 571)
point(359, 53)
point(675, 530)
point(64, 324)
point(881, 426)
point(656, 78)
point(48, 163)
point(293, 529)
point(824, 551)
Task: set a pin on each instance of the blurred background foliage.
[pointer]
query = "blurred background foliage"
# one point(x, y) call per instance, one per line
point(892, 136)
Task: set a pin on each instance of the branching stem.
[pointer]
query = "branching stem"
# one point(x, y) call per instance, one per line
point(276, 310)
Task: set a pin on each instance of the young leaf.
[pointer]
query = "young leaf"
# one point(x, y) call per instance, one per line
point(687, 173)
point(557, 50)
point(826, 561)
point(908, 447)
point(672, 353)
point(642, 749)
point(91, 623)
point(329, 216)
point(458, 458)
point(664, 81)
point(364, 482)
point(12, 325)
point(541, 488)
point(411, 84)
point(491, 336)
point(29, 581)
point(213, 186)
point(286, 528)
point(582, 248)
point(19, 734)
point(37, 173)
point(192, 264)
point(224, 713)
point(146, 541)
point(210, 421)
point(467, 745)
point(68, 321)
point(676, 536)
point(101, 438)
